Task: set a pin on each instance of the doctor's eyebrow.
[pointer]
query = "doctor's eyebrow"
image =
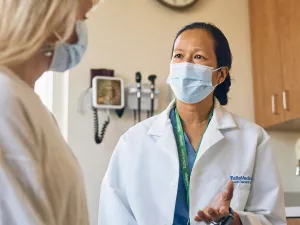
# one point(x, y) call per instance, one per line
point(178, 50)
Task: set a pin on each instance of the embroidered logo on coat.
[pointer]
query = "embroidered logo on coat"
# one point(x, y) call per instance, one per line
point(241, 179)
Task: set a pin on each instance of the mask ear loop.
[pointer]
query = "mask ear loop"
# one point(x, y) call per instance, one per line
point(216, 71)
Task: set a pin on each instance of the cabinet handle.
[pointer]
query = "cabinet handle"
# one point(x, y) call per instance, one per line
point(273, 105)
point(284, 100)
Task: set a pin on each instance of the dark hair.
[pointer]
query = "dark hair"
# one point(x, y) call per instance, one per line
point(223, 54)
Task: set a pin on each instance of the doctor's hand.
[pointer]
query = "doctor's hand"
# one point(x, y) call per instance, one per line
point(218, 208)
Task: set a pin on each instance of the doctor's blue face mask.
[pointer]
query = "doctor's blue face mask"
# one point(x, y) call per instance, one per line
point(66, 56)
point(191, 83)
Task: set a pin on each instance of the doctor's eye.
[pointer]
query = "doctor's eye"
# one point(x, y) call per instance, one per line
point(199, 57)
point(178, 56)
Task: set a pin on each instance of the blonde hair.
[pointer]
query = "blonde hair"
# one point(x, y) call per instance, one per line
point(26, 25)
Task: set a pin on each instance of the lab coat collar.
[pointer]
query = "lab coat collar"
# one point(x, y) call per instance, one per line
point(222, 119)
point(163, 120)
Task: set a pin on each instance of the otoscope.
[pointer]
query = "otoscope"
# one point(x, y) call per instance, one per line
point(152, 79)
point(138, 79)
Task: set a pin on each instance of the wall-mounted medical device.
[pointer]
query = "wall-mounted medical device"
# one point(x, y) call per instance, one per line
point(131, 97)
point(142, 97)
point(108, 93)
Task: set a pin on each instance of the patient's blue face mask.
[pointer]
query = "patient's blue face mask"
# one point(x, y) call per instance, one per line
point(191, 83)
point(66, 56)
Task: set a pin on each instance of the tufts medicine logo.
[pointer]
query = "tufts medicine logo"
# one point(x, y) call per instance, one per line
point(241, 179)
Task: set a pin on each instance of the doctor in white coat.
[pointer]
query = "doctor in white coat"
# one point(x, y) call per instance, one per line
point(195, 163)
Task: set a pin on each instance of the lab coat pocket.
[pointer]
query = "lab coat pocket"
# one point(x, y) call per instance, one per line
point(239, 200)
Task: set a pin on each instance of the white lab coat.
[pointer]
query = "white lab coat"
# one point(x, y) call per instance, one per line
point(140, 186)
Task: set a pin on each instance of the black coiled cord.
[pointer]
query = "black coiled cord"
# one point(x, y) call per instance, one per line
point(99, 139)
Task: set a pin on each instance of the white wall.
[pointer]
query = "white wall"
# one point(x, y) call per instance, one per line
point(137, 35)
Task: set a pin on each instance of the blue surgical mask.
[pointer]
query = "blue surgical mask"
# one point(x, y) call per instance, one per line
point(191, 83)
point(66, 56)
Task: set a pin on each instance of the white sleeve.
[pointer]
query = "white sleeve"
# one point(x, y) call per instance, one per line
point(114, 207)
point(23, 197)
point(265, 205)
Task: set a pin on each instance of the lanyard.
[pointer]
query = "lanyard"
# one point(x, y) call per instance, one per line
point(183, 158)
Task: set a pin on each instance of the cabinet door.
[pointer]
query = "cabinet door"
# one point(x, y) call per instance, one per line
point(266, 62)
point(289, 25)
point(293, 221)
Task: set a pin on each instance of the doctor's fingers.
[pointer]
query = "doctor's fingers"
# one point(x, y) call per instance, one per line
point(203, 216)
point(228, 192)
point(224, 211)
point(215, 215)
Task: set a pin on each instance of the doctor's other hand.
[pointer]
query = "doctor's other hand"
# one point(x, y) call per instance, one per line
point(218, 208)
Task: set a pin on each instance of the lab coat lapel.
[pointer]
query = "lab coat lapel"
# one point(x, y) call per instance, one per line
point(162, 131)
point(167, 142)
point(210, 138)
point(221, 120)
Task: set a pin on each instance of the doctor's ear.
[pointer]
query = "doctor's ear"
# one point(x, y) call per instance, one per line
point(223, 73)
